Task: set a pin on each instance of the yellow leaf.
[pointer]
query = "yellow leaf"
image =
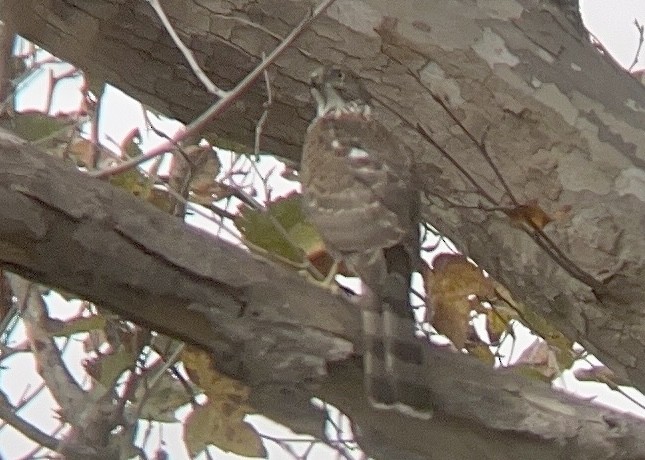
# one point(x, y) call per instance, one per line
point(134, 182)
point(130, 146)
point(212, 425)
point(220, 421)
point(559, 343)
point(498, 322)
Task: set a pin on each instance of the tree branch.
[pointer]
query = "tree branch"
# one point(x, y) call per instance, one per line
point(64, 229)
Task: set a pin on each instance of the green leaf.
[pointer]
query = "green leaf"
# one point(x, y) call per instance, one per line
point(134, 182)
point(259, 228)
point(106, 369)
point(33, 126)
point(83, 324)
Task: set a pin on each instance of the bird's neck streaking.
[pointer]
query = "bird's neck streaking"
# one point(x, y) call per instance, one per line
point(330, 101)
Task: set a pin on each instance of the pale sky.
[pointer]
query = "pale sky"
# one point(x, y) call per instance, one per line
point(612, 21)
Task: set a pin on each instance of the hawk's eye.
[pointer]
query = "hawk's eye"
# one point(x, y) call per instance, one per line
point(338, 74)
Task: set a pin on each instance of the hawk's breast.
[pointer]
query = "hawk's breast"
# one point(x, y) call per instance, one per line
point(355, 183)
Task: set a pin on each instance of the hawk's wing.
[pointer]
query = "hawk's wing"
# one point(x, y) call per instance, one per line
point(357, 184)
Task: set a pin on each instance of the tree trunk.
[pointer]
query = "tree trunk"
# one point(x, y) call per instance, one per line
point(513, 87)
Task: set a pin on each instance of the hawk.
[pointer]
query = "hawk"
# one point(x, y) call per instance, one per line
point(358, 193)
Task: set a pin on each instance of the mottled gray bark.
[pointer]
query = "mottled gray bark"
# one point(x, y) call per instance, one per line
point(561, 122)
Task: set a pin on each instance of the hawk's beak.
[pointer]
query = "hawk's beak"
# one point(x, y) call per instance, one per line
point(317, 90)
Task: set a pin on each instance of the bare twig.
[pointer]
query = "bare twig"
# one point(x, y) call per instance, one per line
point(265, 114)
point(255, 25)
point(188, 54)
point(8, 414)
point(86, 414)
point(479, 144)
point(47, 355)
point(560, 258)
point(536, 233)
point(640, 29)
point(421, 130)
point(198, 210)
point(94, 128)
point(223, 104)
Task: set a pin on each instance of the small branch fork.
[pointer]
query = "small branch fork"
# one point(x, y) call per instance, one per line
point(641, 30)
point(536, 233)
point(229, 97)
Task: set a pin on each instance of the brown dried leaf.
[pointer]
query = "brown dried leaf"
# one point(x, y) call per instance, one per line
point(540, 360)
point(201, 165)
point(530, 214)
point(482, 352)
point(449, 284)
point(600, 374)
point(82, 151)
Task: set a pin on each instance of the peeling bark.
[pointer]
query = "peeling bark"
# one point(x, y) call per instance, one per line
point(562, 123)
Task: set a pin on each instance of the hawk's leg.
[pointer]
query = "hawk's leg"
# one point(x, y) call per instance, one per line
point(331, 274)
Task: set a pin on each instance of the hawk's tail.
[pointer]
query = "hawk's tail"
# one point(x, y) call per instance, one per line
point(394, 365)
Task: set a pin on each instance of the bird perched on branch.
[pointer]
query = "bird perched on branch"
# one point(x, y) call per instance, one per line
point(358, 193)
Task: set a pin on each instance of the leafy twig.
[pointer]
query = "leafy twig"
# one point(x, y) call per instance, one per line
point(536, 233)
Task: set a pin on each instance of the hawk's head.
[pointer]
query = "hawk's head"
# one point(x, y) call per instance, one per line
point(338, 90)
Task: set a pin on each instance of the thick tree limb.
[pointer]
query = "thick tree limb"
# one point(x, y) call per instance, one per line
point(80, 234)
point(266, 326)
